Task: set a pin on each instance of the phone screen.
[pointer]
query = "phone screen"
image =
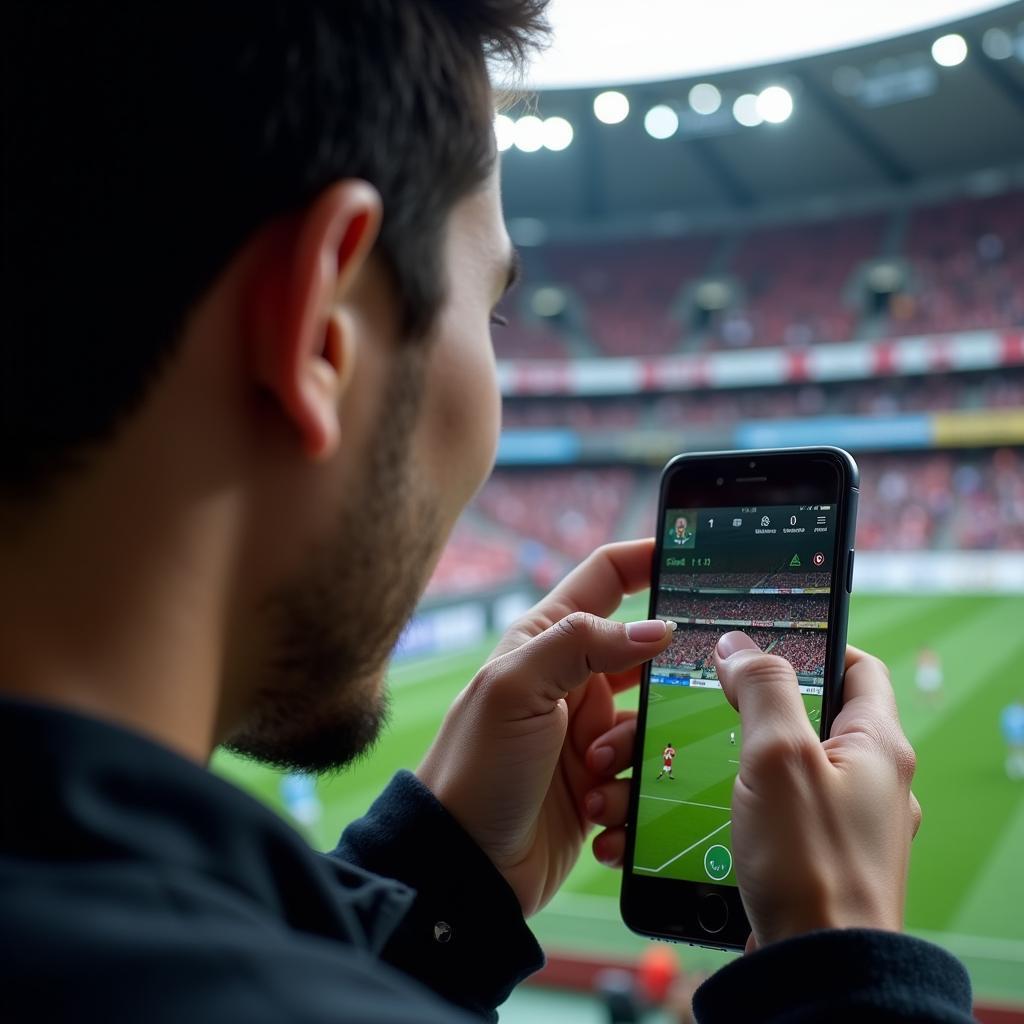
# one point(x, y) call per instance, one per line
point(766, 570)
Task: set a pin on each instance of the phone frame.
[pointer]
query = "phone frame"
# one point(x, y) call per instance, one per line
point(778, 476)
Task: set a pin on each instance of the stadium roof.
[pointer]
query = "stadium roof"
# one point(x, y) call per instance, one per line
point(870, 125)
point(607, 42)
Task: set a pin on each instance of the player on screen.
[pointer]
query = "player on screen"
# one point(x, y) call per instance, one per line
point(667, 756)
point(682, 535)
point(928, 677)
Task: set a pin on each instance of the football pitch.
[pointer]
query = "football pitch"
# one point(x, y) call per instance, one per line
point(966, 888)
point(684, 817)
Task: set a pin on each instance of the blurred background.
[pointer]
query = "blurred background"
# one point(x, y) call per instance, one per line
point(748, 225)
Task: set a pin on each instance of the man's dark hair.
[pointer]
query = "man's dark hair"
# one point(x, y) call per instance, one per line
point(145, 143)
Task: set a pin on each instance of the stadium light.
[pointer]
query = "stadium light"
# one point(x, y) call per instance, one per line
point(611, 107)
point(705, 98)
point(661, 122)
point(504, 132)
point(775, 104)
point(557, 134)
point(745, 110)
point(949, 50)
point(997, 44)
point(528, 134)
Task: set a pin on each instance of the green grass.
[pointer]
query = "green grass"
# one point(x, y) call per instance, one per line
point(965, 882)
point(684, 818)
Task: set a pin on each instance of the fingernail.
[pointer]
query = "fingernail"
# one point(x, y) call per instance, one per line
point(602, 758)
point(648, 630)
point(733, 642)
point(595, 804)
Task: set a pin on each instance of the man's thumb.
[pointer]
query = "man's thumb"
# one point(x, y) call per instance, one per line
point(546, 668)
point(762, 687)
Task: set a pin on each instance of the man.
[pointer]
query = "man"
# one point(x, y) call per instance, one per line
point(668, 755)
point(684, 536)
point(929, 676)
point(1011, 721)
point(251, 252)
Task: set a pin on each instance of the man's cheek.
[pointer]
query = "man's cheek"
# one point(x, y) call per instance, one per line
point(464, 414)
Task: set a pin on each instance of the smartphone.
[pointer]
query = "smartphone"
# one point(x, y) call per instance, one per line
point(760, 541)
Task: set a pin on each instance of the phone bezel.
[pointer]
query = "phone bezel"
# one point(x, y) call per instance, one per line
point(736, 479)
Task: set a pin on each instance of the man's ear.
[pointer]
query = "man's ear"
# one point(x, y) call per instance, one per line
point(302, 337)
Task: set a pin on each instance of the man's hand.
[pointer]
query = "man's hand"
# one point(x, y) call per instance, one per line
point(821, 832)
point(528, 740)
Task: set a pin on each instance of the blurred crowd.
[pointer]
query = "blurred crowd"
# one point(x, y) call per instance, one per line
point(693, 646)
point(744, 580)
point(933, 393)
point(754, 608)
point(955, 266)
point(534, 524)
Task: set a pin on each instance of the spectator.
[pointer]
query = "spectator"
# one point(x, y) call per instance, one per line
point(233, 452)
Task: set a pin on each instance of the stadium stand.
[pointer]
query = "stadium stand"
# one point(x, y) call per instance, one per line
point(943, 500)
point(527, 339)
point(967, 500)
point(766, 608)
point(570, 510)
point(473, 563)
point(741, 581)
point(795, 279)
point(960, 267)
point(630, 289)
point(935, 393)
point(803, 579)
point(692, 647)
point(967, 267)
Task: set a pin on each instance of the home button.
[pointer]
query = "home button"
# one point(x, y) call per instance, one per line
point(713, 913)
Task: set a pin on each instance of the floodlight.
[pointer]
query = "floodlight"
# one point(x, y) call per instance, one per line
point(611, 107)
point(949, 50)
point(746, 112)
point(504, 132)
point(997, 44)
point(775, 104)
point(528, 134)
point(557, 133)
point(661, 122)
point(705, 98)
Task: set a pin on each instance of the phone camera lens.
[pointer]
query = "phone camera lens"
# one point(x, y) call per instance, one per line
point(720, 481)
point(752, 464)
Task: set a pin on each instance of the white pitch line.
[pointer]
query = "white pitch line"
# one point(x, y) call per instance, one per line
point(682, 853)
point(731, 761)
point(689, 803)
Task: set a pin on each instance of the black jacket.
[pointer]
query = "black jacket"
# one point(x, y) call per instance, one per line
point(137, 886)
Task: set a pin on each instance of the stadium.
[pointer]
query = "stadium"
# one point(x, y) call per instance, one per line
point(820, 248)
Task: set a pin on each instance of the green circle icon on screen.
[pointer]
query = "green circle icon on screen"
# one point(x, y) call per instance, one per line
point(717, 862)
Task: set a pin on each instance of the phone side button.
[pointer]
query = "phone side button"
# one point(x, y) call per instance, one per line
point(849, 572)
point(713, 913)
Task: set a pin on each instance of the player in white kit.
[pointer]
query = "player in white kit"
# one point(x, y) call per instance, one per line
point(929, 675)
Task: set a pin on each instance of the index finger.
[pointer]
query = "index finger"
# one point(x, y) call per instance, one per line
point(597, 585)
point(867, 679)
point(867, 693)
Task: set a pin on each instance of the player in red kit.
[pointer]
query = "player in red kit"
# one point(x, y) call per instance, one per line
point(668, 756)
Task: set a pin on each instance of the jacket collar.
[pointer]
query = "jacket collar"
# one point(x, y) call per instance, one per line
point(78, 789)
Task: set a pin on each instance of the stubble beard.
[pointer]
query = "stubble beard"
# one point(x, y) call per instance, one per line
point(322, 702)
